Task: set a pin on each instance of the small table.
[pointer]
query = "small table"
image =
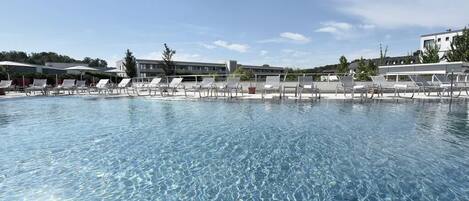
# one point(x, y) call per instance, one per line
point(290, 87)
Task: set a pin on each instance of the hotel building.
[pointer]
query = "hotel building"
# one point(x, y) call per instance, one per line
point(151, 68)
point(442, 39)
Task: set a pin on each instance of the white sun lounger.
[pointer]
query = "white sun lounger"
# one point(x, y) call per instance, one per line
point(306, 83)
point(101, 86)
point(67, 85)
point(232, 84)
point(348, 85)
point(5, 84)
point(173, 86)
point(38, 85)
point(207, 84)
point(272, 83)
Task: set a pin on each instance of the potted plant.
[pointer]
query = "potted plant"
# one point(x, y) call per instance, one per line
point(251, 89)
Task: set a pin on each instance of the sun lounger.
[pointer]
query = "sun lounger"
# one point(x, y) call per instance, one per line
point(207, 85)
point(173, 86)
point(38, 85)
point(232, 84)
point(447, 87)
point(80, 86)
point(463, 82)
point(347, 84)
point(123, 86)
point(67, 85)
point(101, 86)
point(424, 85)
point(5, 84)
point(306, 83)
point(272, 83)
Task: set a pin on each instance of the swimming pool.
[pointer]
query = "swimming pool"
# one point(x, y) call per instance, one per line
point(142, 149)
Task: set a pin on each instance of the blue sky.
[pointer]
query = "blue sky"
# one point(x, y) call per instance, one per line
point(301, 33)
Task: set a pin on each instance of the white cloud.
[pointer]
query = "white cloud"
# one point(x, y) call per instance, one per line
point(295, 37)
point(232, 46)
point(208, 46)
point(344, 30)
point(287, 37)
point(263, 52)
point(405, 13)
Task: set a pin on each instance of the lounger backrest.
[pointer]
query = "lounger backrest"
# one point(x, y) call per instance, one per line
point(68, 83)
point(378, 80)
point(207, 82)
point(419, 81)
point(347, 81)
point(155, 82)
point(102, 83)
point(232, 82)
point(175, 82)
point(40, 82)
point(124, 82)
point(272, 81)
point(5, 83)
point(81, 83)
point(306, 81)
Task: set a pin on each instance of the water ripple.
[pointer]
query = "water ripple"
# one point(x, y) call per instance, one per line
point(141, 149)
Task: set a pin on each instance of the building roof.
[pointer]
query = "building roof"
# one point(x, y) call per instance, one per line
point(439, 33)
point(431, 68)
point(63, 65)
point(182, 62)
point(18, 64)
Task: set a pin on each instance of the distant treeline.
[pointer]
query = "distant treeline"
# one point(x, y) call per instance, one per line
point(42, 57)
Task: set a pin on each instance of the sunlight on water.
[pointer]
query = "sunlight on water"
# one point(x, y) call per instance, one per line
point(66, 148)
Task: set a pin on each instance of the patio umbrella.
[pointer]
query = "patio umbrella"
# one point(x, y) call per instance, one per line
point(116, 71)
point(81, 69)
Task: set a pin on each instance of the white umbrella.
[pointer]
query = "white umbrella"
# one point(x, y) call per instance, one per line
point(115, 71)
point(81, 69)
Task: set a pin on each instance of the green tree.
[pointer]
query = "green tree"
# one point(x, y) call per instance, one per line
point(382, 54)
point(430, 55)
point(244, 74)
point(459, 48)
point(169, 67)
point(343, 65)
point(408, 59)
point(364, 70)
point(94, 62)
point(130, 64)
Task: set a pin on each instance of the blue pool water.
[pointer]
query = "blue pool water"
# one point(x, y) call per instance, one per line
point(66, 148)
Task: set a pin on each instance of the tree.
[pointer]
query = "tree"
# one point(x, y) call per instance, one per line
point(244, 74)
point(365, 69)
point(343, 65)
point(459, 48)
point(95, 62)
point(382, 54)
point(430, 55)
point(408, 59)
point(168, 65)
point(130, 64)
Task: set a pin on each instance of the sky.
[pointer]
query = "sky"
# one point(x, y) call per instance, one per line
point(298, 34)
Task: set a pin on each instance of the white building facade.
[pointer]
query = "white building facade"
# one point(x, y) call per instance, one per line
point(442, 39)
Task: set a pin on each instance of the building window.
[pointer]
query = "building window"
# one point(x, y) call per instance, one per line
point(428, 43)
point(447, 39)
point(439, 39)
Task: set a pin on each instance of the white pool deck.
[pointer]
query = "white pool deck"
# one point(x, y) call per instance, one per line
point(271, 96)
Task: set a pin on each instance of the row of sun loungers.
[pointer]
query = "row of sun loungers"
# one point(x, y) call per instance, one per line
point(440, 85)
